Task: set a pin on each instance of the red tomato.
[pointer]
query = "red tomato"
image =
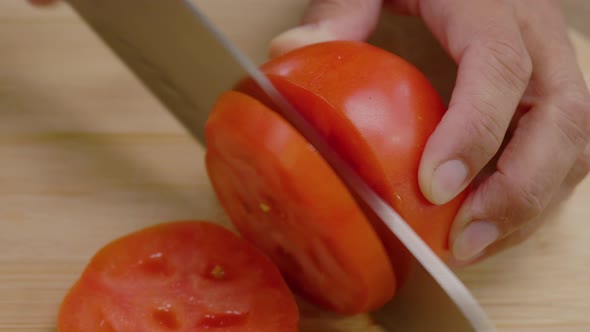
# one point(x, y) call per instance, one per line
point(182, 276)
point(378, 111)
point(282, 195)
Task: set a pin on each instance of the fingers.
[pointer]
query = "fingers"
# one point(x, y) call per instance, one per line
point(509, 241)
point(576, 174)
point(524, 232)
point(534, 165)
point(547, 142)
point(327, 20)
point(494, 70)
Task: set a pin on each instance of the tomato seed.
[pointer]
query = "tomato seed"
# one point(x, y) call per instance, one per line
point(218, 272)
point(215, 271)
point(264, 207)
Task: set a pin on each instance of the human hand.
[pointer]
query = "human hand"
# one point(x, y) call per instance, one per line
point(520, 104)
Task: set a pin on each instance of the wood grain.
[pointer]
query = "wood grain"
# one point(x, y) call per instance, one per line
point(87, 155)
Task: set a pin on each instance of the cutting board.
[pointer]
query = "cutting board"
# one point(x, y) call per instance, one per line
point(87, 155)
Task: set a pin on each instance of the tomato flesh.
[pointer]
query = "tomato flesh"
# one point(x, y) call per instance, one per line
point(181, 276)
point(378, 111)
point(281, 195)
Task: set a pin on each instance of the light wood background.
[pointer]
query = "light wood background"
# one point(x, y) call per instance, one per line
point(87, 155)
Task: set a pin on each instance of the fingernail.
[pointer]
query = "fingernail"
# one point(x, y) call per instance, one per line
point(447, 181)
point(474, 240)
point(299, 37)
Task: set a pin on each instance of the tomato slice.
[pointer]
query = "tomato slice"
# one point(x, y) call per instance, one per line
point(180, 276)
point(378, 111)
point(282, 195)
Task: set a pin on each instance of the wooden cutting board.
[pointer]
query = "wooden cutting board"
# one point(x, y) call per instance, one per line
point(87, 155)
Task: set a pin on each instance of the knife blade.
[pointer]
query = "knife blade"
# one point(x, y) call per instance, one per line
point(176, 50)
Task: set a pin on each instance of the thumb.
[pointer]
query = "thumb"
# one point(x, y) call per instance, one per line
point(326, 20)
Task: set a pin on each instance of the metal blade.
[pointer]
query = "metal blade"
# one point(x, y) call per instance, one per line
point(174, 54)
point(180, 54)
point(422, 305)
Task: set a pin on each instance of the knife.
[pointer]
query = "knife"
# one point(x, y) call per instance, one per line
point(186, 61)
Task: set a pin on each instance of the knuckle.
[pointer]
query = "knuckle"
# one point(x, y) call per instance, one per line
point(510, 203)
point(525, 199)
point(509, 62)
point(573, 111)
point(486, 129)
point(529, 203)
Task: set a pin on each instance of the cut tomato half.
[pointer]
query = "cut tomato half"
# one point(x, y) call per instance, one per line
point(181, 276)
point(282, 195)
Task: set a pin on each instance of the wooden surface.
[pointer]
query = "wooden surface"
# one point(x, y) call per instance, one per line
point(87, 155)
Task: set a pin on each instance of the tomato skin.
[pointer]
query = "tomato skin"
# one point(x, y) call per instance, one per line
point(179, 276)
point(281, 195)
point(378, 111)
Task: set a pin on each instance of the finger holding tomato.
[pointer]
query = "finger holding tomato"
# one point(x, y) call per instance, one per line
point(518, 122)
